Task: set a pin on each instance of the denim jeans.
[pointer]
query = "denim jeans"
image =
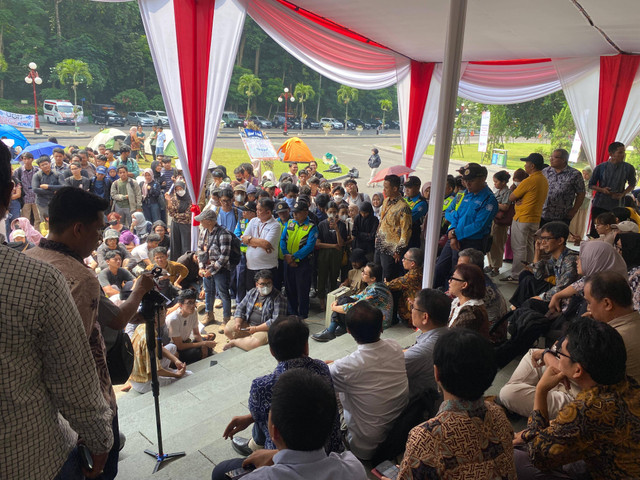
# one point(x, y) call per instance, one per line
point(151, 212)
point(218, 283)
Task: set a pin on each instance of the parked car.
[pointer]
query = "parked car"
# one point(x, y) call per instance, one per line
point(350, 124)
point(308, 123)
point(394, 125)
point(159, 117)
point(139, 118)
point(260, 121)
point(335, 124)
point(231, 119)
point(357, 121)
point(375, 123)
point(105, 114)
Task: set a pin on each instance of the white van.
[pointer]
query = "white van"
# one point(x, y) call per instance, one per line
point(58, 111)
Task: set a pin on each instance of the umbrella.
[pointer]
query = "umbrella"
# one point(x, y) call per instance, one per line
point(399, 170)
point(9, 131)
point(42, 148)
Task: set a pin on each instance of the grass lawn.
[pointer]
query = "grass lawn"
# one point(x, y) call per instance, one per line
point(515, 151)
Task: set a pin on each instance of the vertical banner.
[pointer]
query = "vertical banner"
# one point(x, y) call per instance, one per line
point(484, 131)
point(575, 148)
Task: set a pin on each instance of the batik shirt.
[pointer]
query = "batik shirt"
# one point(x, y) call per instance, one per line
point(563, 188)
point(394, 230)
point(601, 427)
point(378, 295)
point(409, 284)
point(565, 270)
point(260, 398)
point(465, 440)
point(615, 176)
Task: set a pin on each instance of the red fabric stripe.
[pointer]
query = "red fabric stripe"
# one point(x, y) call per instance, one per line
point(616, 77)
point(420, 82)
point(520, 61)
point(330, 24)
point(194, 25)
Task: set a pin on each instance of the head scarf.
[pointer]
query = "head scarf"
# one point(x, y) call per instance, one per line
point(184, 202)
point(33, 235)
point(599, 257)
point(269, 176)
point(630, 248)
point(142, 225)
point(126, 237)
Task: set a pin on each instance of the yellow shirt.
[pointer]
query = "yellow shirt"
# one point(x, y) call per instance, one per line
point(532, 192)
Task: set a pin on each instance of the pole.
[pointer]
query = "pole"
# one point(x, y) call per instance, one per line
point(286, 117)
point(444, 132)
point(33, 76)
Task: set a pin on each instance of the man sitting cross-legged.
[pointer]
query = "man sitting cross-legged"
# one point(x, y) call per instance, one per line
point(113, 278)
point(289, 344)
point(255, 314)
point(303, 407)
point(183, 325)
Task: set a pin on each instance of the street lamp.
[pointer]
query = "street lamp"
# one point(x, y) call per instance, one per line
point(34, 79)
point(287, 98)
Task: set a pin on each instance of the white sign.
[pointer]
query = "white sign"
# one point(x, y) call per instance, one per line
point(16, 119)
point(575, 149)
point(484, 131)
point(258, 146)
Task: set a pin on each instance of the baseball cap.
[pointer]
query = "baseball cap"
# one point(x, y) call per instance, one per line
point(101, 170)
point(281, 206)
point(269, 185)
point(19, 233)
point(536, 159)
point(473, 170)
point(240, 187)
point(206, 215)
point(413, 181)
point(248, 207)
point(300, 206)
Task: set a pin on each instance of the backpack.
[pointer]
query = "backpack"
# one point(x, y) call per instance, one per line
point(235, 255)
point(119, 356)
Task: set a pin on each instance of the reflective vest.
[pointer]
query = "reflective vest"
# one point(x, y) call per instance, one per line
point(243, 222)
point(282, 227)
point(297, 235)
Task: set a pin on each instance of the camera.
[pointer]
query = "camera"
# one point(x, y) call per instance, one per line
point(153, 300)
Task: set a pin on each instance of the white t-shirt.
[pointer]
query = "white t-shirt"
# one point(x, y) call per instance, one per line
point(374, 390)
point(258, 258)
point(180, 326)
point(140, 253)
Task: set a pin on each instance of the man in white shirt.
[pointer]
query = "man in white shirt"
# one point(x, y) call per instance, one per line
point(303, 406)
point(371, 382)
point(262, 237)
point(140, 254)
point(182, 324)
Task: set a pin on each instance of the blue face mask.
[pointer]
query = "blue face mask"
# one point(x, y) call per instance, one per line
point(290, 201)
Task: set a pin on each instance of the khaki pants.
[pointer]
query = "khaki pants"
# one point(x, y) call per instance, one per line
point(496, 254)
point(519, 392)
point(30, 209)
point(522, 243)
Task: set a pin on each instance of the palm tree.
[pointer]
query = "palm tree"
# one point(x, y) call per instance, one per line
point(302, 93)
point(250, 85)
point(74, 72)
point(385, 106)
point(345, 95)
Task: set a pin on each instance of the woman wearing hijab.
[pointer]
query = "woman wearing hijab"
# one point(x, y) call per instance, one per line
point(22, 223)
point(628, 244)
point(151, 195)
point(364, 230)
point(594, 257)
point(179, 208)
point(376, 203)
point(140, 226)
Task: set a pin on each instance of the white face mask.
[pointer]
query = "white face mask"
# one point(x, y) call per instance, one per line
point(180, 193)
point(239, 198)
point(338, 198)
point(516, 183)
point(331, 215)
point(344, 218)
point(265, 290)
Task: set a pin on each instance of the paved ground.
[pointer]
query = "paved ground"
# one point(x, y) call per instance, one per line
point(195, 410)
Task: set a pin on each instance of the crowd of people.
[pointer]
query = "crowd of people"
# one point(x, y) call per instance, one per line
point(94, 228)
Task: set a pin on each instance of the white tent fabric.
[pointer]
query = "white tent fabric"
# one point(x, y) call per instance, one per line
point(630, 122)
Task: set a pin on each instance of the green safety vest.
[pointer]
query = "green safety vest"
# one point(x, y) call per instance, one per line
point(243, 226)
point(297, 235)
point(282, 226)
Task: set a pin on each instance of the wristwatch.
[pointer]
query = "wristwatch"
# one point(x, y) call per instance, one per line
point(249, 239)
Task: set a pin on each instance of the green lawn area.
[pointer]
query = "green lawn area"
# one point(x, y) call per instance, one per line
point(515, 151)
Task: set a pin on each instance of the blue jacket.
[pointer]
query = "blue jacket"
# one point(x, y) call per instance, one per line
point(472, 219)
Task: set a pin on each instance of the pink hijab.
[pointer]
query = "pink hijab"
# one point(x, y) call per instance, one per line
point(33, 235)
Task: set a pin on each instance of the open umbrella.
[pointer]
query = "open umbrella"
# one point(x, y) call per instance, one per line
point(11, 132)
point(42, 148)
point(399, 170)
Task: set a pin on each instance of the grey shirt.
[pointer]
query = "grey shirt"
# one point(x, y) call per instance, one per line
point(418, 361)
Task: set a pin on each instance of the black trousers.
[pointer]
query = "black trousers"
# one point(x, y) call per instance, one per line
point(528, 286)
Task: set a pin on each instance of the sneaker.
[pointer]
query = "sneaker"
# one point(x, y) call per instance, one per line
point(218, 303)
point(313, 293)
point(494, 273)
point(323, 336)
point(510, 279)
point(488, 270)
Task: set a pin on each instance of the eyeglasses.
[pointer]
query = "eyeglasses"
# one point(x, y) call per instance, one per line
point(407, 259)
point(547, 239)
point(457, 279)
point(413, 307)
point(558, 354)
point(189, 302)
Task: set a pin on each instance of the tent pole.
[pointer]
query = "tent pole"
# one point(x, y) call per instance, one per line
point(444, 132)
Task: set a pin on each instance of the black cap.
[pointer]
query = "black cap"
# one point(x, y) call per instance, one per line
point(536, 159)
point(281, 206)
point(248, 207)
point(413, 181)
point(472, 171)
point(301, 206)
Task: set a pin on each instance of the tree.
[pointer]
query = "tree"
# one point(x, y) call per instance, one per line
point(347, 95)
point(74, 72)
point(251, 86)
point(302, 93)
point(563, 129)
point(386, 106)
point(131, 99)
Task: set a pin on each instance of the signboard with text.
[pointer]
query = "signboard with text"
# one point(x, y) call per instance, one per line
point(16, 119)
point(575, 149)
point(484, 131)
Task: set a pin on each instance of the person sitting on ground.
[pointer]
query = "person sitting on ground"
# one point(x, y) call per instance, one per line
point(470, 437)
point(546, 277)
point(111, 242)
point(609, 298)
point(354, 279)
point(113, 278)
point(130, 241)
point(183, 330)
point(289, 345)
point(18, 241)
point(430, 315)
point(140, 254)
point(303, 406)
point(371, 382)
point(115, 223)
point(140, 226)
point(140, 378)
point(494, 301)
point(606, 227)
point(172, 272)
point(160, 228)
point(405, 288)
point(467, 287)
point(376, 293)
point(595, 436)
point(259, 308)
point(193, 279)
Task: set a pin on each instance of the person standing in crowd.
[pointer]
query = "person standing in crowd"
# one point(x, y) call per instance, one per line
point(25, 174)
point(313, 170)
point(45, 184)
point(501, 222)
point(100, 185)
point(566, 189)
point(419, 207)
point(364, 230)
point(332, 234)
point(354, 197)
point(76, 179)
point(394, 230)
point(88, 168)
point(262, 238)
point(126, 195)
point(168, 172)
point(238, 277)
point(179, 209)
point(529, 197)
point(134, 142)
point(374, 163)
point(133, 170)
point(611, 181)
point(297, 243)
point(151, 197)
point(470, 221)
point(152, 141)
point(59, 165)
point(53, 368)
